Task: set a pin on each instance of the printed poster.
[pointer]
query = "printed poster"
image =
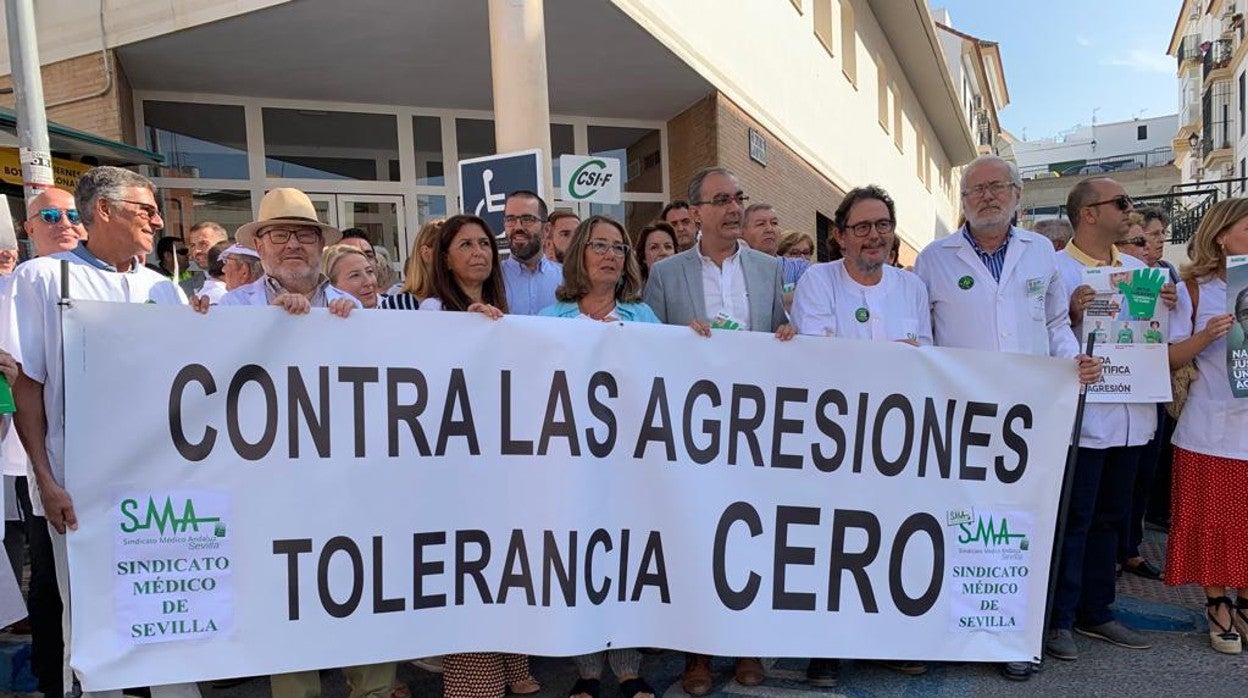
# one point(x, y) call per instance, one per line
point(1130, 327)
point(1237, 338)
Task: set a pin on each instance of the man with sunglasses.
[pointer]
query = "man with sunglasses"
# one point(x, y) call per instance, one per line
point(1111, 443)
point(54, 226)
point(996, 287)
point(118, 209)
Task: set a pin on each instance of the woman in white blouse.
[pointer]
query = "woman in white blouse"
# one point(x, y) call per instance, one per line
point(1209, 530)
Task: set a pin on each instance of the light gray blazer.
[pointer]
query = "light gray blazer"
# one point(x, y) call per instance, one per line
point(674, 290)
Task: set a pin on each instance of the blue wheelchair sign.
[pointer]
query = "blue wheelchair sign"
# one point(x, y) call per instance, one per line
point(485, 182)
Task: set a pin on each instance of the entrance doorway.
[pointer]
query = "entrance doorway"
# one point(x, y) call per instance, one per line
point(380, 216)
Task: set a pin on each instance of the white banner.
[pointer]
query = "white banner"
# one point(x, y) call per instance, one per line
point(261, 493)
point(1131, 329)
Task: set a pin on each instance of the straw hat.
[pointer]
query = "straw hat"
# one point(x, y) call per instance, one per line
point(285, 205)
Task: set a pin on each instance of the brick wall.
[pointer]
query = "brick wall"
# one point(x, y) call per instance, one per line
point(691, 143)
point(101, 114)
point(795, 189)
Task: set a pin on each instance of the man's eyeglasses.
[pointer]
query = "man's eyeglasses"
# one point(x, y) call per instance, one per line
point(1122, 201)
point(863, 229)
point(525, 219)
point(723, 200)
point(52, 216)
point(601, 247)
point(182, 251)
point(281, 236)
point(1132, 242)
point(145, 208)
point(994, 188)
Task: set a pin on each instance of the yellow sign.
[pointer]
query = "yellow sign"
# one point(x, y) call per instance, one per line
point(64, 172)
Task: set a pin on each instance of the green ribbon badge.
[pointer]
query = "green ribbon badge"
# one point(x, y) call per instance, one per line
point(862, 315)
point(966, 282)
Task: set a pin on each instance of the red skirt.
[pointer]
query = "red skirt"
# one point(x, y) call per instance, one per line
point(1209, 521)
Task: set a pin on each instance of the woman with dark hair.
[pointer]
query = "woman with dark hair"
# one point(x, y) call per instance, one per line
point(656, 241)
point(464, 273)
point(1208, 542)
point(602, 282)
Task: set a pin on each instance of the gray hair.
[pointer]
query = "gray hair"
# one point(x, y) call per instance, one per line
point(756, 207)
point(1054, 229)
point(105, 182)
point(695, 184)
point(1015, 177)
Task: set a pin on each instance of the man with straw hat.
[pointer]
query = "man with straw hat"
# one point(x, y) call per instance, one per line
point(289, 239)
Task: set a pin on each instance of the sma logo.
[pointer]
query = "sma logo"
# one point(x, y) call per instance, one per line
point(165, 519)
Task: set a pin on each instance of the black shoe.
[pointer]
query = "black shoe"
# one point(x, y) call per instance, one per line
point(1144, 569)
point(823, 673)
point(1016, 671)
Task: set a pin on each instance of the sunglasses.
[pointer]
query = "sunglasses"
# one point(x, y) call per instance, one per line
point(52, 216)
point(1122, 201)
point(1132, 242)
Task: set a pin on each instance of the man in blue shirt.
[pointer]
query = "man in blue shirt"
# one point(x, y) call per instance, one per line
point(530, 278)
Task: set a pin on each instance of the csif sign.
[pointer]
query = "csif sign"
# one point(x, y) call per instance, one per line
point(592, 179)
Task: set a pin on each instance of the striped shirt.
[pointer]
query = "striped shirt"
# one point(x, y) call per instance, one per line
point(995, 260)
point(399, 301)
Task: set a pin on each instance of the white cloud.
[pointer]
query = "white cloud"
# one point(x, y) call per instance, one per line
point(1144, 61)
point(1082, 40)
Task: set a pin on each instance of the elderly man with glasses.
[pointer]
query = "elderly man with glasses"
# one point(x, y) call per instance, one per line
point(289, 240)
point(996, 287)
point(119, 212)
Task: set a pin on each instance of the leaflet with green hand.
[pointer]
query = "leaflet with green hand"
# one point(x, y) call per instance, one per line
point(1142, 292)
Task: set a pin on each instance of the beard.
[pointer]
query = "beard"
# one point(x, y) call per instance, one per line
point(528, 251)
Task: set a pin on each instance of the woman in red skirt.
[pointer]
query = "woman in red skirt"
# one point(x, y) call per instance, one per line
point(1209, 531)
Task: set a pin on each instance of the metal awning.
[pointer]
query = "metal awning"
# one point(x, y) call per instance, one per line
point(79, 144)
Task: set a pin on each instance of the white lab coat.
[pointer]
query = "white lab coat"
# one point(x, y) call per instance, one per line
point(1028, 312)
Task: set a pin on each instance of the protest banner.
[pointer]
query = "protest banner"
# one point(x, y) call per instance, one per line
point(1131, 329)
point(1237, 338)
point(321, 492)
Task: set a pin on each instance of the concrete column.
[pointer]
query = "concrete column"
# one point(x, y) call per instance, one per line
point(518, 70)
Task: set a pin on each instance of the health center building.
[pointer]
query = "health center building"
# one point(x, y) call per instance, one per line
point(368, 105)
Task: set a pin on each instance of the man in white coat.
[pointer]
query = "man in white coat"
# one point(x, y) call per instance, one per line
point(996, 287)
point(1111, 442)
point(118, 208)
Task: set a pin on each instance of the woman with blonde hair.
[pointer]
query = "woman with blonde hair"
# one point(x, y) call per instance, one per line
point(417, 281)
point(351, 271)
point(1208, 542)
point(797, 243)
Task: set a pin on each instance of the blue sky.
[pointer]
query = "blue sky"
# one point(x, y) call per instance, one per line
point(1065, 58)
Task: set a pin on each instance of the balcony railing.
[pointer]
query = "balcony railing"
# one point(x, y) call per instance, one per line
point(1218, 56)
point(1116, 163)
point(1220, 141)
point(1189, 49)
